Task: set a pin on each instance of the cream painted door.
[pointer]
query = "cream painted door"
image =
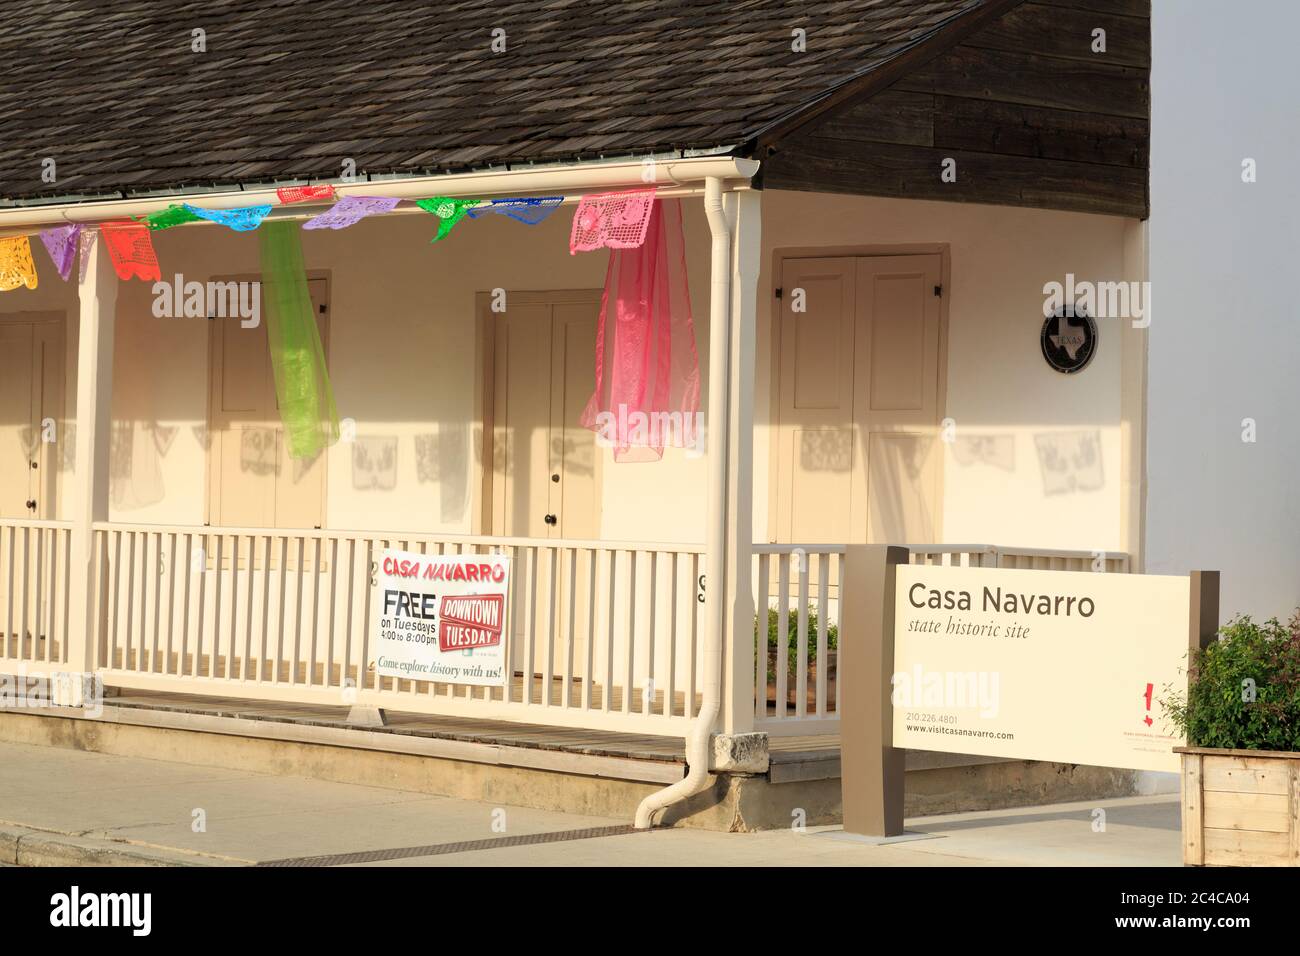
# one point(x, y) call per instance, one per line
point(546, 466)
point(32, 437)
point(545, 478)
point(815, 451)
point(896, 404)
point(858, 400)
point(31, 416)
point(575, 499)
point(254, 481)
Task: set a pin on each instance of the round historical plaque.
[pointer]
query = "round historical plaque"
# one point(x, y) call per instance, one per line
point(1069, 339)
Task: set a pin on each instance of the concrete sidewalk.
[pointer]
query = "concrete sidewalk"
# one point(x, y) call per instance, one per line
point(68, 807)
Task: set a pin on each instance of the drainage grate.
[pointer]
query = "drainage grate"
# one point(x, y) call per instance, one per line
point(441, 849)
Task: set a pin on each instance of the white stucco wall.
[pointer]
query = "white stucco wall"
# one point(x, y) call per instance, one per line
point(1225, 87)
point(999, 386)
point(402, 361)
point(402, 348)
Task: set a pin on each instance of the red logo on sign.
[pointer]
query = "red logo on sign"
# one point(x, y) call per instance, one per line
point(469, 621)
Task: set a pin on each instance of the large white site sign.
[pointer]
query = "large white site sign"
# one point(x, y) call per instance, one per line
point(1065, 666)
point(441, 618)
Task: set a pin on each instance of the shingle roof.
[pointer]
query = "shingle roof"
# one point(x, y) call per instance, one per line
point(289, 89)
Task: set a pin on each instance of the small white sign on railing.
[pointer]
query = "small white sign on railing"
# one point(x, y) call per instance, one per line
point(1064, 666)
point(441, 618)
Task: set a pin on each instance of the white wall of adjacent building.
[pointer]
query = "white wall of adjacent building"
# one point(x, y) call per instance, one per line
point(1223, 341)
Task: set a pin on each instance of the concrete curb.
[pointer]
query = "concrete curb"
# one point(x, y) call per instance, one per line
point(22, 846)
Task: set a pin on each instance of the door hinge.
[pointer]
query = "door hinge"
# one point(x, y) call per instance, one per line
point(938, 291)
point(779, 293)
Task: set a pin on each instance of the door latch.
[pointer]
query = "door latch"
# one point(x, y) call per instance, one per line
point(31, 504)
point(549, 519)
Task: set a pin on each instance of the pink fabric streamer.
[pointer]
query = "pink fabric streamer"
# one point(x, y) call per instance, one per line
point(611, 220)
point(647, 370)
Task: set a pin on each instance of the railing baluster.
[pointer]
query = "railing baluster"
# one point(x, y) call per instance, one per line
point(695, 636)
point(282, 594)
point(629, 685)
point(27, 649)
point(760, 637)
point(670, 691)
point(589, 673)
point(569, 649)
point(333, 612)
point(172, 584)
point(128, 663)
point(552, 620)
point(782, 635)
point(13, 644)
point(67, 600)
point(189, 587)
point(228, 672)
point(652, 602)
point(46, 591)
point(823, 612)
point(296, 658)
point(611, 578)
point(530, 624)
point(250, 590)
point(218, 589)
point(801, 657)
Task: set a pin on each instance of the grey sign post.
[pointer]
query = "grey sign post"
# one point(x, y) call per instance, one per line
point(871, 767)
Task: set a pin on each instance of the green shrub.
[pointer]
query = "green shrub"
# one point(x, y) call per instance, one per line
point(1249, 659)
point(792, 638)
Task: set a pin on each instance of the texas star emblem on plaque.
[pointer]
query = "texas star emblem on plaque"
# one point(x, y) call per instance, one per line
point(1069, 340)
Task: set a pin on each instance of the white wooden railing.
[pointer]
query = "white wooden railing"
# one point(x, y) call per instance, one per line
point(796, 692)
point(1040, 559)
point(603, 635)
point(34, 579)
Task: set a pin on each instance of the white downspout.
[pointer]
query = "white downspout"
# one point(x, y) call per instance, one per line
point(698, 740)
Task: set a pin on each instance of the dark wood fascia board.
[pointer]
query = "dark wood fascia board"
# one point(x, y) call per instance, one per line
point(914, 57)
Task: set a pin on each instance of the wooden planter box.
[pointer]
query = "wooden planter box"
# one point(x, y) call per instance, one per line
point(1240, 807)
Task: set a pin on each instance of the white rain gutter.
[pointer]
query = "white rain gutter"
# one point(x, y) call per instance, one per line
point(580, 177)
point(701, 733)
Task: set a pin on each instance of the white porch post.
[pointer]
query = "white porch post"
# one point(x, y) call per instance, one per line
point(89, 486)
point(744, 212)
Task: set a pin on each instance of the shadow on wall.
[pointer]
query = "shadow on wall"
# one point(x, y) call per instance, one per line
point(442, 457)
point(63, 435)
point(1070, 461)
point(829, 449)
point(259, 453)
point(136, 451)
point(901, 469)
point(996, 450)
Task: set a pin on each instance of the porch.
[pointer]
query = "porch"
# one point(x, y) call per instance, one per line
point(619, 632)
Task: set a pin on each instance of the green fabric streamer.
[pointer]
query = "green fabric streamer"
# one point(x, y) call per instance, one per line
point(449, 211)
point(302, 383)
point(166, 218)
